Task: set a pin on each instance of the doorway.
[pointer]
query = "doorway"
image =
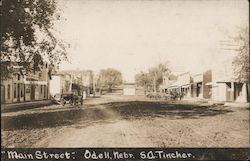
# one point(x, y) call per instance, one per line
point(32, 92)
point(2, 94)
point(18, 92)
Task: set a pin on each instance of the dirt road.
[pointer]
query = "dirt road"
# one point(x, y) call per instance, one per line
point(117, 121)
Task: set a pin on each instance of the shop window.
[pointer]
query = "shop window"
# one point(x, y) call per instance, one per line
point(8, 91)
point(44, 94)
point(21, 86)
point(41, 89)
point(15, 90)
point(28, 88)
point(239, 87)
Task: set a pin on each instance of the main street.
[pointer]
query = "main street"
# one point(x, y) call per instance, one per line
point(128, 121)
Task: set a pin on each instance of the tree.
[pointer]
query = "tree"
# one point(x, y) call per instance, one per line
point(28, 37)
point(241, 61)
point(143, 79)
point(109, 78)
point(156, 73)
point(153, 77)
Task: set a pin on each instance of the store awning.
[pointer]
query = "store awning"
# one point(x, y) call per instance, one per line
point(171, 87)
point(209, 84)
point(185, 86)
point(225, 81)
point(197, 82)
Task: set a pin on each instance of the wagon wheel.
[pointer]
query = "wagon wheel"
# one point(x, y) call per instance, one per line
point(63, 102)
point(81, 101)
point(71, 102)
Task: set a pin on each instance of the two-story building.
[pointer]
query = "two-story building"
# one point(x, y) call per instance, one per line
point(22, 86)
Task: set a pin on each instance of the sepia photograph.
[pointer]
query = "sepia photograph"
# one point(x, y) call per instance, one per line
point(125, 74)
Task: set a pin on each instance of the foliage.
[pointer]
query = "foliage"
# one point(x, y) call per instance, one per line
point(27, 35)
point(153, 77)
point(143, 79)
point(241, 61)
point(109, 78)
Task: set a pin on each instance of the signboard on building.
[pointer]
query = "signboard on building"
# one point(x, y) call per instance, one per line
point(36, 82)
point(184, 79)
point(198, 78)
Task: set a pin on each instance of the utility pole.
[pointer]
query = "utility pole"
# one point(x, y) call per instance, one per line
point(154, 85)
point(94, 85)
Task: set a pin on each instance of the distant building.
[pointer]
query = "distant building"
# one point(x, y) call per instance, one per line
point(60, 83)
point(185, 83)
point(191, 86)
point(72, 80)
point(129, 89)
point(117, 90)
point(83, 78)
point(180, 83)
point(167, 82)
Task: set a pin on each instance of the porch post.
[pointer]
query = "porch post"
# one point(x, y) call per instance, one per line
point(244, 92)
point(232, 92)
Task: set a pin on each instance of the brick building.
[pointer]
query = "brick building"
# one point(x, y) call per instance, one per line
point(199, 87)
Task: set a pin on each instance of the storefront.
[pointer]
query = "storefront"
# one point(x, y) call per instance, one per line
point(230, 91)
point(17, 89)
point(186, 90)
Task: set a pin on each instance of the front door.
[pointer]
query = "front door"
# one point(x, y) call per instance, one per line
point(32, 92)
point(2, 94)
point(24, 92)
point(18, 92)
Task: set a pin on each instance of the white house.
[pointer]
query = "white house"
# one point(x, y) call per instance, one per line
point(129, 89)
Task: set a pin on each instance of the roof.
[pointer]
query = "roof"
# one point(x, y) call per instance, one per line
point(174, 85)
point(185, 86)
point(211, 84)
point(197, 74)
point(225, 81)
point(184, 73)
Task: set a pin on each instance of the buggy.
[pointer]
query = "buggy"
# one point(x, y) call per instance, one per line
point(154, 95)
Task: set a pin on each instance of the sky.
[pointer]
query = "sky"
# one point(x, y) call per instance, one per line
point(132, 36)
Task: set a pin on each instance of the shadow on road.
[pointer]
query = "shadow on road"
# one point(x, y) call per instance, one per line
point(83, 117)
point(51, 119)
point(140, 110)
